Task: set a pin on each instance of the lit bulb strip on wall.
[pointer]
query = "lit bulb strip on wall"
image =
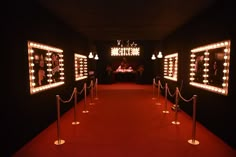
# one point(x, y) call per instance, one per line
point(206, 51)
point(46, 67)
point(81, 68)
point(125, 51)
point(171, 66)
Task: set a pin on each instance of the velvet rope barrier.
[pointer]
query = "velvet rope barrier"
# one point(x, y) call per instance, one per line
point(178, 95)
point(59, 141)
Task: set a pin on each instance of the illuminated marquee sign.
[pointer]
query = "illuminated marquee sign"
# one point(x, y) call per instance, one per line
point(46, 67)
point(81, 69)
point(125, 51)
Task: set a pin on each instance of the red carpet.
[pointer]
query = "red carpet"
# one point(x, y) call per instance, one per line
point(125, 122)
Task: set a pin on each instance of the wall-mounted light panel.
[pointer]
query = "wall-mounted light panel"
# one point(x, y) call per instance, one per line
point(171, 66)
point(81, 69)
point(209, 67)
point(46, 67)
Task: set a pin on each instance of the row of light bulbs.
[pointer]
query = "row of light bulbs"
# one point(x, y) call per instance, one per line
point(81, 67)
point(51, 84)
point(226, 46)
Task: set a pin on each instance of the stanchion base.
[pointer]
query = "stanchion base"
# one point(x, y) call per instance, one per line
point(158, 103)
point(165, 111)
point(193, 142)
point(174, 108)
point(96, 98)
point(91, 103)
point(85, 111)
point(59, 142)
point(75, 123)
point(175, 122)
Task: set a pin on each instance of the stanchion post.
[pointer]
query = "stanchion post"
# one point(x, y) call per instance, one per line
point(176, 110)
point(91, 94)
point(153, 89)
point(96, 89)
point(59, 141)
point(158, 93)
point(165, 110)
point(85, 99)
point(75, 122)
point(193, 141)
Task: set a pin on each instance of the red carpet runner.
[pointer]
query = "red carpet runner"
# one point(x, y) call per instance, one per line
point(125, 122)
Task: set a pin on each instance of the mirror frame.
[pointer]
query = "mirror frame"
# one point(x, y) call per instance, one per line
point(81, 67)
point(171, 66)
point(205, 52)
point(41, 54)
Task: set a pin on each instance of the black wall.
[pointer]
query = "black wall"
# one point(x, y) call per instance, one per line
point(23, 115)
point(216, 112)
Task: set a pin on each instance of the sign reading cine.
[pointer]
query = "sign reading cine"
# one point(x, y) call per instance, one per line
point(125, 51)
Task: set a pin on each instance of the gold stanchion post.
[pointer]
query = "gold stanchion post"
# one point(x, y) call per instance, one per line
point(176, 110)
point(158, 93)
point(96, 89)
point(59, 141)
point(91, 94)
point(193, 141)
point(153, 89)
point(85, 99)
point(165, 110)
point(75, 122)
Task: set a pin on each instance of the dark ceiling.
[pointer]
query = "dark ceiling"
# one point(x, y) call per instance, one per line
point(126, 19)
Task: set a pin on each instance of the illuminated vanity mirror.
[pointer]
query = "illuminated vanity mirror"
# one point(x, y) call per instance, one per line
point(209, 67)
point(81, 70)
point(46, 67)
point(171, 66)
